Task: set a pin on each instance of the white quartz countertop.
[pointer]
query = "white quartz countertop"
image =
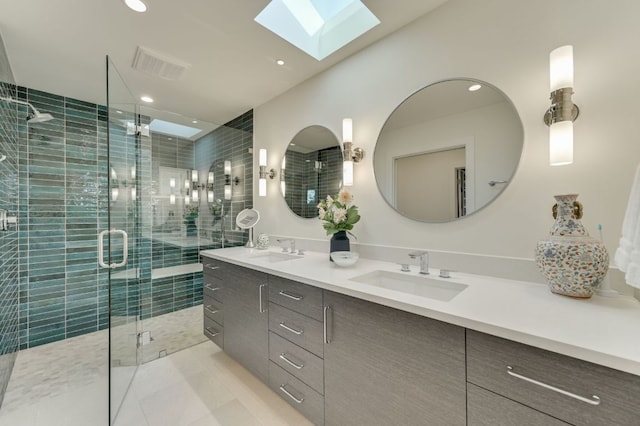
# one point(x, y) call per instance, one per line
point(601, 330)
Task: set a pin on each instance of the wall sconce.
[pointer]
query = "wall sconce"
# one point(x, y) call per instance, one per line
point(562, 113)
point(263, 173)
point(349, 154)
point(227, 180)
point(210, 181)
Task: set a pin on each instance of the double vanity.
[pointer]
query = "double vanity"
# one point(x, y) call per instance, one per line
point(370, 344)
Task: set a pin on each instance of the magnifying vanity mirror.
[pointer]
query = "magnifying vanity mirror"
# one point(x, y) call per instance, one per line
point(448, 150)
point(311, 169)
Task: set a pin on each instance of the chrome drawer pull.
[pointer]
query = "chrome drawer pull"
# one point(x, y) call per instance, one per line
point(594, 400)
point(291, 296)
point(210, 287)
point(291, 363)
point(299, 401)
point(213, 268)
point(293, 330)
point(325, 324)
point(213, 334)
point(261, 305)
point(211, 311)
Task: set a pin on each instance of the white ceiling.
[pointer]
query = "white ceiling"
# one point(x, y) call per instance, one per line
point(60, 46)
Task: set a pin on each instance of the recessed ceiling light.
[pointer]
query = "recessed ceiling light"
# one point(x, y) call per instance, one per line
point(147, 99)
point(279, 62)
point(136, 5)
point(474, 87)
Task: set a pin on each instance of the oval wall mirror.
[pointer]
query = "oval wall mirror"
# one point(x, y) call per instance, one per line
point(311, 169)
point(448, 150)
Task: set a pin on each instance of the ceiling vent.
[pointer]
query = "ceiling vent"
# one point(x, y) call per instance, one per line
point(159, 65)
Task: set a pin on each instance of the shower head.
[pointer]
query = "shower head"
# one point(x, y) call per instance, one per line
point(38, 117)
point(33, 117)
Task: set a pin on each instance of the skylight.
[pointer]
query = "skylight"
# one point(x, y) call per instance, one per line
point(169, 128)
point(317, 27)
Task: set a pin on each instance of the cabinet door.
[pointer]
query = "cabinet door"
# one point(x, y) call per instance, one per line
point(388, 367)
point(246, 322)
point(489, 409)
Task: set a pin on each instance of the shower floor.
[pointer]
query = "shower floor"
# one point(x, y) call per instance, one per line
point(66, 383)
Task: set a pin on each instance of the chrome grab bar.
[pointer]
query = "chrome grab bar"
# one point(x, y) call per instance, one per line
point(291, 363)
point(291, 296)
point(299, 401)
point(594, 400)
point(293, 330)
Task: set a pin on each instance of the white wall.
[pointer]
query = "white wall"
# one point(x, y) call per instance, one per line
point(505, 43)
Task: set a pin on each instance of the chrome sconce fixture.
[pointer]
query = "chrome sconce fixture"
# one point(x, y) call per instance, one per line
point(263, 173)
point(350, 155)
point(227, 180)
point(562, 113)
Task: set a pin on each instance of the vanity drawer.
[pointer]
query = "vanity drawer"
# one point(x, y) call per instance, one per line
point(297, 328)
point(300, 396)
point(213, 309)
point(486, 408)
point(297, 361)
point(214, 331)
point(298, 297)
point(212, 288)
point(506, 368)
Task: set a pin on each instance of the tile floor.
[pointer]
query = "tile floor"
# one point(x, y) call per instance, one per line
point(66, 384)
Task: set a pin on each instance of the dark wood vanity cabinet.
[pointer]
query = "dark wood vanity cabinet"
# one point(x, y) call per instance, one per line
point(341, 360)
point(388, 367)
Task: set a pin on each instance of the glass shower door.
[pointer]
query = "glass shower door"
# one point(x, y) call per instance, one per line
point(118, 245)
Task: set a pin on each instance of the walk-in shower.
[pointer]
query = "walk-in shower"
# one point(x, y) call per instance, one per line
point(34, 116)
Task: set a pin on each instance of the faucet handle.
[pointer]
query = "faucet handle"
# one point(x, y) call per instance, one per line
point(445, 273)
point(404, 267)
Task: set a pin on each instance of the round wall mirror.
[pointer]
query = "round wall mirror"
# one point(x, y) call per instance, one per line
point(448, 150)
point(311, 169)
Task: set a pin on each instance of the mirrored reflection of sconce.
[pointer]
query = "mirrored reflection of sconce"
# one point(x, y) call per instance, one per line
point(350, 155)
point(283, 184)
point(562, 113)
point(227, 180)
point(210, 181)
point(172, 199)
point(263, 173)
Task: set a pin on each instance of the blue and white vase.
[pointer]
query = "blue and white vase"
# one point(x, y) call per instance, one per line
point(573, 263)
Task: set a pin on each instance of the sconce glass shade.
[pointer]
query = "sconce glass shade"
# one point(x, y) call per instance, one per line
point(227, 192)
point(210, 196)
point(194, 176)
point(133, 193)
point(561, 68)
point(283, 188)
point(210, 178)
point(227, 167)
point(187, 200)
point(262, 187)
point(284, 162)
point(172, 183)
point(561, 143)
point(133, 172)
point(262, 160)
point(114, 194)
point(347, 130)
point(194, 196)
point(172, 199)
point(347, 173)
point(186, 183)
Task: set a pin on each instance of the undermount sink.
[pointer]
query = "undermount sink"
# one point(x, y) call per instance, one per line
point(272, 257)
point(416, 285)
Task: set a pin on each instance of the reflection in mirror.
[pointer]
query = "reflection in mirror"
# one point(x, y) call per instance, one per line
point(311, 170)
point(448, 150)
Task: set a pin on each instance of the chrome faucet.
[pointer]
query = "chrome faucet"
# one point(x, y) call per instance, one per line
point(291, 241)
point(424, 260)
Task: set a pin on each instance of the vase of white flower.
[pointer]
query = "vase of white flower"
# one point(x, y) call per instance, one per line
point(339, 216)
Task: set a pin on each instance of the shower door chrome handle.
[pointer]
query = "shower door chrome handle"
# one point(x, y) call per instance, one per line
point(125, 248)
